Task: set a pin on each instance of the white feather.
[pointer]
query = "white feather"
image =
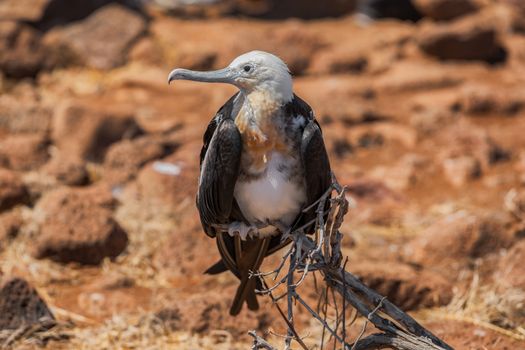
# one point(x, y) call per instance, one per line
point(271, 75)
point(271, 197)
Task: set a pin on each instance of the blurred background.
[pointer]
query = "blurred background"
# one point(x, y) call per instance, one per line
point(422, 107)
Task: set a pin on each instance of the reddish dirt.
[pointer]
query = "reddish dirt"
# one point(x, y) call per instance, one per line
point(99, 168)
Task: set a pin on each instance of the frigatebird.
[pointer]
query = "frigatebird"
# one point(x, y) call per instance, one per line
point(262, 163)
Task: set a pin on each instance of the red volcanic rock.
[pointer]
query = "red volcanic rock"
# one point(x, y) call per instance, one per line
point(295, 46)
point(464, 139)
point(12, 189)
point(446, 9)
point(21, 111)
point(10, 224)
point(458, 171)
point(453, 240)
point(24, 151)
point(408, 76)
point(208, 310)
point(84, 131)
point(23, 10)
point(402, 175)
point(372, 48)
point(22, 52)
point(78, 226)
point(67, 170)
point(169, 183)
point(307, 9)
point(520, 162)
point(335, 61)
point(275, 9)
point(100, 41)
point(378, 204)
point(147, 51)
point(20, 305)
point(195, 45)
point(479, 100)
point(470, 38)
point(403, 285)
point(434, 110)
point(125, 158)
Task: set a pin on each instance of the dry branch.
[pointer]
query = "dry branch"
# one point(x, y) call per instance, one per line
point(323, 254)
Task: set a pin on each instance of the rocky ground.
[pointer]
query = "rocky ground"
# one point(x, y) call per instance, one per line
point(424, 123)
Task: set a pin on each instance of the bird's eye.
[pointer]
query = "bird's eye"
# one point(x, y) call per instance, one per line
point(247, 68)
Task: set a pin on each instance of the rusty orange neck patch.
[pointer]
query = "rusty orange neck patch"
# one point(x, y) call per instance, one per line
point(258, 121)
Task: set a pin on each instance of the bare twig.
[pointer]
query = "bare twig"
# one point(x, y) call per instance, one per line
point(399, 330)
point(260, 343)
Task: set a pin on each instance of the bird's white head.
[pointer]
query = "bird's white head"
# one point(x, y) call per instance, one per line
point(255, 71)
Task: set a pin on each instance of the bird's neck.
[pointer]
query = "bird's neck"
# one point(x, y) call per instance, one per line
point(258, 122)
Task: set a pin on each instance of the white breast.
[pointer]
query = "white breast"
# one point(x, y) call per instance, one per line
point(271, 197)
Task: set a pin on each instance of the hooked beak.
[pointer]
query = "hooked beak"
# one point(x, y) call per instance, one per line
point(225, 75)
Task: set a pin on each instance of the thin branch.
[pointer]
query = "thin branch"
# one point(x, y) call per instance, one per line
point(324, 255)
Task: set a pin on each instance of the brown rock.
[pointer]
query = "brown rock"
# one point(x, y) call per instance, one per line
point(22, 52)
point(85, 132)
point(100, 41)
point(403, 285)
point(380, 133)
point(450, 242)
point(10, 224)
point(520, 162)
point(378, 204)
point(458, 171)
point(307, 9)
point(373, 49)
point(434, 110)
point(78, 226)
point(23, 10)
point(208, 310)
point(170, 318)
point(466, 140)
point(67, 170)
point(195, 47)
point(442, 10)
point(430, 120)
point(124, 159)
point(339, 61)
point(403, 174)
point(177, 265)
point(371, 190)
point(197, 58)
point(275, 9)
point(22, 111)
point(148, 51)
point(480, 100)
point(170, 182)
point(469, 38)
point(24, 151)
point(416, 76)
point(295, 47)
point(12, 189)
point(20, 305)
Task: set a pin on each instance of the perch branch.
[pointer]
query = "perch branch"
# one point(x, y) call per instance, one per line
point(323, 254)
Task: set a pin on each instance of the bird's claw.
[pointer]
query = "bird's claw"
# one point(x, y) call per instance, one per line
point(242, 230)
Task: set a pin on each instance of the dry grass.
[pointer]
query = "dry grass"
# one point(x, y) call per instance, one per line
point(143, 332)
point(483, 305)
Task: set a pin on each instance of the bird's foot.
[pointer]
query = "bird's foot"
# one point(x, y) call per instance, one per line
point(238, 228)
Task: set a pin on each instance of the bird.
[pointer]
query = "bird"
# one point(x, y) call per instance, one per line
point(262, 163)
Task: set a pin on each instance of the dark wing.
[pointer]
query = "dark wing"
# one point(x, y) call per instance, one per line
point(220, 162)
point(318, 174)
